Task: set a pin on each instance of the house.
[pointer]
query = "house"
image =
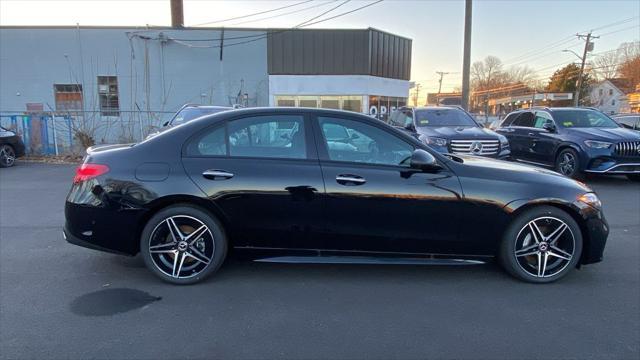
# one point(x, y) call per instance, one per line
point(611, 96)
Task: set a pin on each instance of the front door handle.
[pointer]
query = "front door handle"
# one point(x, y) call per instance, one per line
point(348, 179)
point(532, 134)
point(217, 174)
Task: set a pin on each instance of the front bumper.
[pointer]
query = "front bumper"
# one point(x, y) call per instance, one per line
point(611, 167)
point(595, 229)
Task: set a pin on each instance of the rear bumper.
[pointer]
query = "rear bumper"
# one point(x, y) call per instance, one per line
point(72, 239)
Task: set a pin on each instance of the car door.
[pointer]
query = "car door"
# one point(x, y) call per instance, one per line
point(375, 202)
point(263, 175)
point(543, 142)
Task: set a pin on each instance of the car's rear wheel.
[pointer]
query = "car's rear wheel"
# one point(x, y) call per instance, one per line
point(633, 177)
point(541, 245)
point(567, 163)
point(7, 156)
point(183, 244)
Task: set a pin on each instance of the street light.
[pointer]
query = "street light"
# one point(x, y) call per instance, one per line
point(574, 53)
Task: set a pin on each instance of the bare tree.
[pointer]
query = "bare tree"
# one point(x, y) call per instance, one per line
point(606, 65)
point(486, 74)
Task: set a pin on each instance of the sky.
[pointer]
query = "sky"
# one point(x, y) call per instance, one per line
point(522, 32)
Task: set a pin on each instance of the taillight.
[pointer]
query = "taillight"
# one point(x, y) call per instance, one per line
point(86, 172)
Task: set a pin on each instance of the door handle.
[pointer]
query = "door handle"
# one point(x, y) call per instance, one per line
point(532, 134)
point(504, 130)
point(217, 175)
point(347, 179)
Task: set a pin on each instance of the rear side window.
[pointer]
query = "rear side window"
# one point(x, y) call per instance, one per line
point(525, 119)
point(273, 136)
point(209, 143)
point(629, 122)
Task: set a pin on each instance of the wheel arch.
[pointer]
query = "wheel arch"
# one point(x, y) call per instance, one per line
point(520, 206)
point(175, 200)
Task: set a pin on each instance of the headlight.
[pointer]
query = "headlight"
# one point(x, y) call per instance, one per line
point(436, 141)
point(597, 144)
point(590, 199)
point(504, 143)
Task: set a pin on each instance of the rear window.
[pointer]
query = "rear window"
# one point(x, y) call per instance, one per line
point(443, 117)
point(189, 114)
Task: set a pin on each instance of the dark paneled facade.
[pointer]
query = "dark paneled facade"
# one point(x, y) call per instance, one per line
point(338, 52)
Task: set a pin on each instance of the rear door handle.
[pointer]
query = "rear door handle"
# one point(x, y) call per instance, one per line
point(532, 134)
point(217, 174)
point(347, 179)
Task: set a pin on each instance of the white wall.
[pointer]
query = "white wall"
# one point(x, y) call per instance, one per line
point(335, 85)
point(609, 104)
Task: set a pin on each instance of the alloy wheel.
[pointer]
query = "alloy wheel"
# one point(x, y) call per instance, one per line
point(7, 155)
point(181, 246)
point(567, 163)
point(544, 247)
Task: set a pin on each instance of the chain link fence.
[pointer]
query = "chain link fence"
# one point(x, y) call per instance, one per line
point(60, 133)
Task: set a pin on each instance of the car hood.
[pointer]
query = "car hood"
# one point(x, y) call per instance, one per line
point(458, 132)
point(606, 134)
point(510, 171)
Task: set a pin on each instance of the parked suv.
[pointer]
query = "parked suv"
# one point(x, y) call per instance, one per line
point(449, 129)
point(573, 141)
point(628, 121)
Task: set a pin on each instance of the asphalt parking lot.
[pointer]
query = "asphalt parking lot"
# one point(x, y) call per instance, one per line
point(62, 301)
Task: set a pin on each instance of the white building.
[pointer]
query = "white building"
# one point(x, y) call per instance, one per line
point(611, 96)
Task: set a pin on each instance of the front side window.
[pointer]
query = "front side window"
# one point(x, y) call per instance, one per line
point(273, 136)
point(525, 119)
point(541, 119)
point(628, 122)
point(353, 141)
point(443, 117)
point(583, 119)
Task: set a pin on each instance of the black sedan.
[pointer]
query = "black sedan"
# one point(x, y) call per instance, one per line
point(11, 147)
point(318, 186)
point(573, 141)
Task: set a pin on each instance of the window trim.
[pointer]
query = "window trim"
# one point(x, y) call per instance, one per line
point(323, 152)
point(310, 148)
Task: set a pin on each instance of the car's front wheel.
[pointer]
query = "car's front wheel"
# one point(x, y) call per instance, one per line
point(7, 156)
point(541, 245)
point(567, 163)
point(183, 244)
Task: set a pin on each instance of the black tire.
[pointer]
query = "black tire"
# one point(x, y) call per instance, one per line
point(7, 156)
point(634, 177)
point(568, 164)
point(521, 266)
point(211, 245)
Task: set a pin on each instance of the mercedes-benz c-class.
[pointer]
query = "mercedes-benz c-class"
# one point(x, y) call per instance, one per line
point(317, 186)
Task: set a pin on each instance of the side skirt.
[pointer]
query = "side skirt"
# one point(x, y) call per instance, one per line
point(367, 260)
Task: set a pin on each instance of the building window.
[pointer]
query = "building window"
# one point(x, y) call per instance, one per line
point(108, 95)
point(68, 97)
point(330, 102)
point(286, 101)
point(352, 103)
point(308, 101)
point(610, 92)
point(613, 102)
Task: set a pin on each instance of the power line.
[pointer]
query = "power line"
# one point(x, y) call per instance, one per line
point(260, 36)
point(258, 13)
point(284, 14)
point(322, 14)
point(624, 29)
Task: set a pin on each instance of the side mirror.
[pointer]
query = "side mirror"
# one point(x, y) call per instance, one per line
point(166, 123)
point(549, 126)
point(422, 160)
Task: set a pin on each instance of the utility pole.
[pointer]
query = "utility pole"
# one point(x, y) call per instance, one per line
point(466, 60)
point(442, 74)
point(588, 46)
point(177, 14)
point(415, 98)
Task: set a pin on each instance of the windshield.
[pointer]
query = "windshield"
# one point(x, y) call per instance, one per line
point(583, 119)
point(188, 114)
point(443, 117)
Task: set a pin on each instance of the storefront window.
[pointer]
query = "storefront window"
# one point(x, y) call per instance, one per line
point(352, 103)
point(308, 101)
point(286, 101)
point(330, 102)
